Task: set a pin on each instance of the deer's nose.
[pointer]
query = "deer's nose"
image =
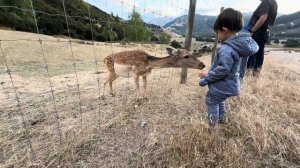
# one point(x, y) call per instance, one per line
point(201, 66)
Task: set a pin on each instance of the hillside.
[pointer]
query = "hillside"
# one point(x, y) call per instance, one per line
point(52, 21)
point(287, 18)
point(203, 25)
point(285, 25)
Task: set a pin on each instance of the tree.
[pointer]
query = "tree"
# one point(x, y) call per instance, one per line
point(164, 38)
point(135, 28)
point(154, 39)
point(276, 41)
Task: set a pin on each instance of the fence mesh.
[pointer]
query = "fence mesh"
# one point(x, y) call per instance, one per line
point(51, 86)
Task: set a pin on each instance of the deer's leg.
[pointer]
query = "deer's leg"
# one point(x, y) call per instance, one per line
point(103, 88)
point(110, 83)
point(136, 82)
point(111, 77)
point(145, 85)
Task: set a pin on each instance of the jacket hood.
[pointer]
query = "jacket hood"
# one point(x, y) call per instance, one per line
point(243, 44)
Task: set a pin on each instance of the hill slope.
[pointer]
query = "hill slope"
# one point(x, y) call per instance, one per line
point(285, 25)
point(51, 19)
point(203, 25)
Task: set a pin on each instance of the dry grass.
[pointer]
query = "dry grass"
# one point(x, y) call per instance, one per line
point(166, 130)
point(263, 130)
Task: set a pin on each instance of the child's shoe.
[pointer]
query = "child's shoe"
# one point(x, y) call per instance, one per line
point(222, 119)
point(213, 120)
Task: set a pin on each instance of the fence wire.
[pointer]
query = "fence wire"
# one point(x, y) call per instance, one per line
point(48, 75)
point(19, 107)
point(57, 95)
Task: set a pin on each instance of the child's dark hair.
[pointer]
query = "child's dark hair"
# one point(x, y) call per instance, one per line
point(229, 18)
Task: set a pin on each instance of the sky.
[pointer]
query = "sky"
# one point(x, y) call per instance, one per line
point(161, 11)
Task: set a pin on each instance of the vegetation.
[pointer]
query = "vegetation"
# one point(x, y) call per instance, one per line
point(164, 38)
point(135, 28)
point(16, 19)
point(292, 43)
point(106, 27)
point(276, 41)
point(175, 44)
point(205, 39)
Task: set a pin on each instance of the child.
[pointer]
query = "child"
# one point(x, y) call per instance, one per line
point(223, 78)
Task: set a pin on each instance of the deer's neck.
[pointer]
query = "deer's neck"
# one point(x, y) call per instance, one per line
point(164, 62)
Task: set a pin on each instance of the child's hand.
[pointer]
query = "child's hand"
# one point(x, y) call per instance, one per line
point(202, 75)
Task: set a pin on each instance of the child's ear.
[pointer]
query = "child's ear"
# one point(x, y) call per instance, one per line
point(224, 29)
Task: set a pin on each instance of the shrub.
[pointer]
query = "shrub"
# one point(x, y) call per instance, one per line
point(276, 41)
point(292, 43)
point(175, 44)
point(164, 38)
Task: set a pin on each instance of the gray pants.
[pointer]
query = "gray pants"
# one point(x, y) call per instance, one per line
point(216, 108)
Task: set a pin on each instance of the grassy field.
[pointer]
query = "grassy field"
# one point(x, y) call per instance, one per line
point(166, 130)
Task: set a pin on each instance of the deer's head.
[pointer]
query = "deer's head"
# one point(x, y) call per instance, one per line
point(183, 58)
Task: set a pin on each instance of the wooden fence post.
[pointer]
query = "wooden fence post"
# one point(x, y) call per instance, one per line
point(188, 37)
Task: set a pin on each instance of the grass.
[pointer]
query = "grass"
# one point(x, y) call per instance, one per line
point(263, 129)
point(166, 130)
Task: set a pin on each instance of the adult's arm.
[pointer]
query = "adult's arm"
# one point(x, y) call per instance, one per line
point(259, 22)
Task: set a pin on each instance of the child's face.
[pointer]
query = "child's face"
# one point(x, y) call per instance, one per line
point(221, 36)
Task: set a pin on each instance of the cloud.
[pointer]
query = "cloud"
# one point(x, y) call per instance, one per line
point(152, 9)
point(131, 3)
point(165, 12)
point(128, 5)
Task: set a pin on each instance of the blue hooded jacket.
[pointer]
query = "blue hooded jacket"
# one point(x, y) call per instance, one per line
point(223, 78)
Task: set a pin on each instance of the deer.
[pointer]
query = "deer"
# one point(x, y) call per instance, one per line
point(138, 64)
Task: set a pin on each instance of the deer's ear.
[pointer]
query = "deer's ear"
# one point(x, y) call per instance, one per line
point(171, 51)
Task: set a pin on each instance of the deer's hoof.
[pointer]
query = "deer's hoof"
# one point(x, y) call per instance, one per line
point(144, 96)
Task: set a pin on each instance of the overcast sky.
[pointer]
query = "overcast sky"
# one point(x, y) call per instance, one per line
point(160, 9)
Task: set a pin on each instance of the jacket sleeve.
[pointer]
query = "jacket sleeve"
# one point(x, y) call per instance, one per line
point(203, 82)
point(223, 68)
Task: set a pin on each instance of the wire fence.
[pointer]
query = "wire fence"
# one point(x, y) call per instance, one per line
point(66, 86)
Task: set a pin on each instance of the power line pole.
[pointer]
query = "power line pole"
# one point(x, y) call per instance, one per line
point(188, 37)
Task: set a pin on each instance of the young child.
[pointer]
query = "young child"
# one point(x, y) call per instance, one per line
point(223, 78)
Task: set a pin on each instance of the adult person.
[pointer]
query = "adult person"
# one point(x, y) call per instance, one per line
point(259, 24)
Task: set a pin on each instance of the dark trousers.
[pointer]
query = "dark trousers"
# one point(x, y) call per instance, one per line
point(216, 108)
point(256, 61)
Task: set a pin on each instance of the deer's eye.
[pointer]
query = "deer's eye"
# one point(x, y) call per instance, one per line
point(186, 57)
